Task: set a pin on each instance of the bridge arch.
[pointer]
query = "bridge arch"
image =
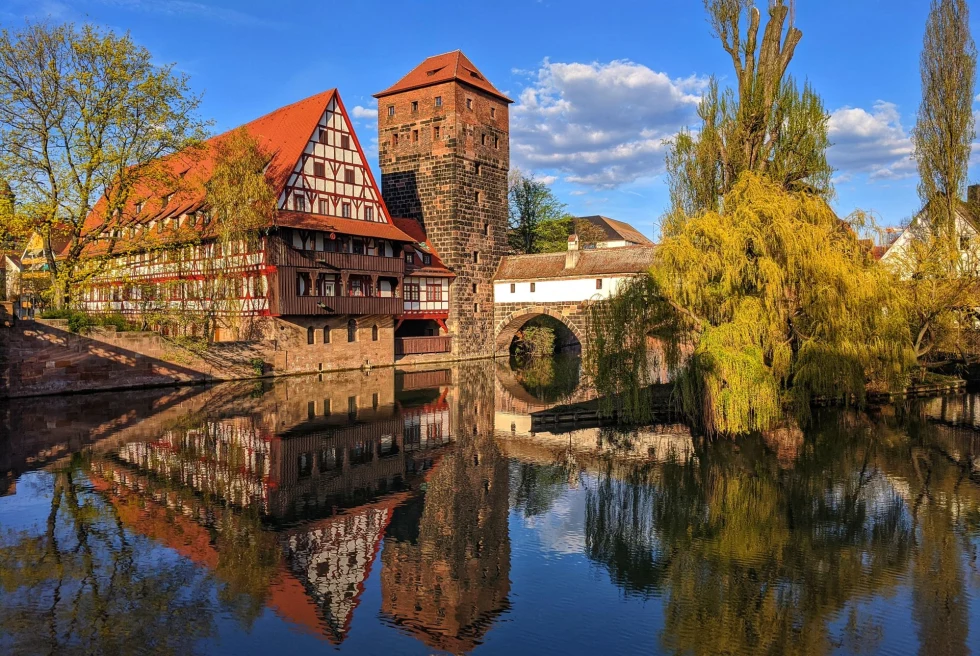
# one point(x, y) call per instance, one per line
point(508, 323)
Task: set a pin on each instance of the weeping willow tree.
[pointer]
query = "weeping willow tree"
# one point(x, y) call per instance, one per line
point(762, 296)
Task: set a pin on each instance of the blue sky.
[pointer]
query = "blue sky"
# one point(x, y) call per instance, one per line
point(598, 85)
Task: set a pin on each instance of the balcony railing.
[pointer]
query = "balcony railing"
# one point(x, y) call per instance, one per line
point(314, 305)
point(282, 254)
point(422, 345)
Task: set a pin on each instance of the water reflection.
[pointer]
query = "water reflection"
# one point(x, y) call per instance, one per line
point(416, 511)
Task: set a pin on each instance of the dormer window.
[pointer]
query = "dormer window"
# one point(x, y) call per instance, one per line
point(139, 207)
point(410, 258)
point(426, 259)
point(167, 199)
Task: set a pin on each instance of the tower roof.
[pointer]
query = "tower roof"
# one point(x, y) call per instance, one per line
point(444, 68)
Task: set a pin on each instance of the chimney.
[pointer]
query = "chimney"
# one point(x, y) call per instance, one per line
point(973, 195)
point(571, 256)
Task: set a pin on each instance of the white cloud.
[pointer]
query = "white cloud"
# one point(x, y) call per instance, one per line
point(547, 179)
point(365, 112)
point(603, 125)
point(874, 143)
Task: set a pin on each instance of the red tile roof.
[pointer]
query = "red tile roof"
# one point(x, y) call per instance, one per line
point(310, 221)
point(444, 68)
point(626, 260)
point(415, 230)
point(282, 134)
point(616, 230)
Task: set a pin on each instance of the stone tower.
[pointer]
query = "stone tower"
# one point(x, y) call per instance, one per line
point(444, 151)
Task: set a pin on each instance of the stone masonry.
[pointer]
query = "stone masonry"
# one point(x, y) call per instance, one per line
point(455, 184)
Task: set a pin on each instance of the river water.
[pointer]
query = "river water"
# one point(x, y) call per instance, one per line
point(416, 512)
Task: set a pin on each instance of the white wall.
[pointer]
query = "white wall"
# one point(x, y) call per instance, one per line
point(557, 291)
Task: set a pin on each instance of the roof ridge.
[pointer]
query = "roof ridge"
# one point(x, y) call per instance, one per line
point(328, 92)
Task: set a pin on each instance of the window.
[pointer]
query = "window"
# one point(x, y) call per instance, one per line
point(344, 141)
point(299, 202)
point(412, 292)
point(598, 283)
point(394, 139)
point(319, 169)
point(435, 133)
point(493, 112)
point(532, 286)
point(415, 105)
point(476, 197)
point(469, 103)
point(328, 456)
point(410, 258)
point(369, 214)
point(476, 308)
point(438, 101)
point(139, 207)
point(477, 168)
point(486, 229)
point(495, 142)
point(345, 210)
point(483, 139)
point(391, 110)
point(352, 403)
point(310, 336)
point(305, 465)
point(415, 136)
point(311, 408)
point(322, 136)
point(513, 288)
point(352, 331)
point(326, 340)
point(433, 292)
point(474, 288)
point(426, 259)
point(476, 257)
point(374, 338)
point(324, 207)
point(349, 176)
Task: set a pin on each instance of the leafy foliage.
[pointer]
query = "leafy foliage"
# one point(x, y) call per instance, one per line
point(83, 113)
point(552, 234)
point(531, 203)
point(944, 129)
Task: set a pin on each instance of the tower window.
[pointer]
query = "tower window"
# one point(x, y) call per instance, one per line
point(352, 333)
point(476, 308)
point(391, 110)
point(493, 112)
point(394, 139)
point(469, 103)
point(349, 176)
point(319, 169)
point(474, 288)
point(345, 210)
point(495, 142)
point(438, 101)
point(299, 202)
point(476, 197)
point(476, 257)
point(598, 283)
point(532, 287)
point(435, 133)
point(477, 168)
point(415, 135)
point(415, 105)
point(344, 141)
point(483, 139)
point(486, 229)
point(513, 288)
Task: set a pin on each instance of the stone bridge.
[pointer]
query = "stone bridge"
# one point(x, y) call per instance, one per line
point(511, 317)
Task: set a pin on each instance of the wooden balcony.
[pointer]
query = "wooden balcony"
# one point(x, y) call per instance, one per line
point(282, 254)
point(422, 345)
point(325, 305)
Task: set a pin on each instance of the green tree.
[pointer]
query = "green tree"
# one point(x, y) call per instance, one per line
point(531, 202)
point(83, 114)
point(944, 129)
point(765, 125)
point(552, 234)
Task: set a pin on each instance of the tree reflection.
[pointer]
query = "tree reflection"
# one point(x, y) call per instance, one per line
point(755, 552)
point(84, 584)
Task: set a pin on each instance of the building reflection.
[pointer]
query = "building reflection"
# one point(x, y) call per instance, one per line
point(285, 492)
point(446, 557)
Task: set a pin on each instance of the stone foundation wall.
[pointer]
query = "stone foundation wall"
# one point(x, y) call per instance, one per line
point(43, 357)
point(511, 317)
